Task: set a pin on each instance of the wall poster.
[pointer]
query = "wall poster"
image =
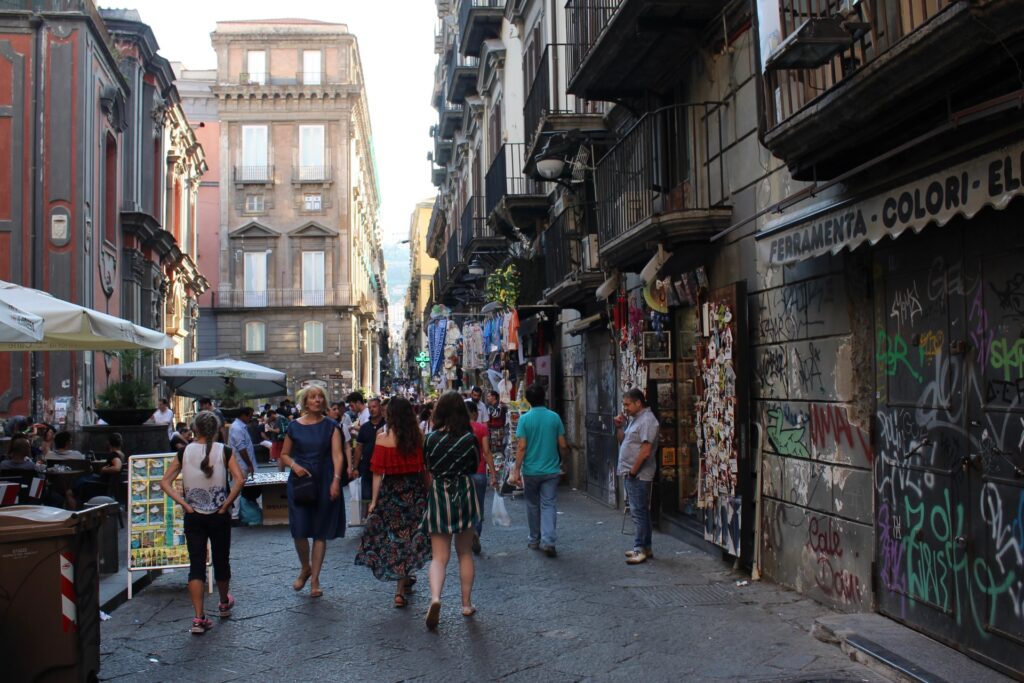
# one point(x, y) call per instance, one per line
point(718, 417)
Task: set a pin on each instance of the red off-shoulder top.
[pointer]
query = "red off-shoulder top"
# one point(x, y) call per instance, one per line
point(388, 460)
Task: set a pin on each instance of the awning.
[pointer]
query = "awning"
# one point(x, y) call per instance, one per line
point(204, 378)
point(70, 327)
point(992, 179)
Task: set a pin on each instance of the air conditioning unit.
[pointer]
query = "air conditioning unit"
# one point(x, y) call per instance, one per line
point(591, 260)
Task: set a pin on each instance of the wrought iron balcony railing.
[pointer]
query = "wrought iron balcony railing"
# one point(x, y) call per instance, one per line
point(659, 166)
point(474, 226)
point(884, 24)
point(254, 174)
point(562, 250)
point(478, 20)
point(505, 177)
point(453, 252)
point(586, 20)
point(546, 91)
point(270, 298)
point(311, 174)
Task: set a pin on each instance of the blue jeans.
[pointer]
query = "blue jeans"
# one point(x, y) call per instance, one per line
point(638, 494)
point(541, 494)
point(480, 484)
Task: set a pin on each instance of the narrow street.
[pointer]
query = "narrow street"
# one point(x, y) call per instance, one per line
point(584, 615)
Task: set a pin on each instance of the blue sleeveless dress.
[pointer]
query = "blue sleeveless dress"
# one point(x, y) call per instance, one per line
point(311, 448)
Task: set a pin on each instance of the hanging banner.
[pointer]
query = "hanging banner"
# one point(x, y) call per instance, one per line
point(992, 179)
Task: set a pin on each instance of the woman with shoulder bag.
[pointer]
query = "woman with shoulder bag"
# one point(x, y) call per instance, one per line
point(394, 546)
point(204, 466)
point(453, 507)
point(316, 509)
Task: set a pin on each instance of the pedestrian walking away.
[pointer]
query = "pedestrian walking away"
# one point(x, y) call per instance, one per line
point(484, 473)
point(204, 466)
point(453, 508)
point(636, 429)
point(394, 545)
point(362, 453)
point(541, 445)
point(312, 448)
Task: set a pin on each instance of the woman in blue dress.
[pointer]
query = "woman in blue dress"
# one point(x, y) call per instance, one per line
point(312, 447)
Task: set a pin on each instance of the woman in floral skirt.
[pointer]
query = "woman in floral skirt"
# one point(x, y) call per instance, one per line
point(394, 545)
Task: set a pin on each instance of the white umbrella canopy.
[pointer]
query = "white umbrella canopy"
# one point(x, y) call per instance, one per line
point(18, 326)
point(208, 378)
point(70, 327)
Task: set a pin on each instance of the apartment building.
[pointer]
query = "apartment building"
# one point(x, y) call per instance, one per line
point(301, 281)
point(422, 268)
point(789, 223)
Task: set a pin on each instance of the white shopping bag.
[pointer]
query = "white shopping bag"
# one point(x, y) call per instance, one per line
point(354, 492)
point(355, 488)
point(499, 513)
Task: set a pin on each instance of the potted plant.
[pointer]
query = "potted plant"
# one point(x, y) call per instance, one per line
point(229, 399)
point(128, 401)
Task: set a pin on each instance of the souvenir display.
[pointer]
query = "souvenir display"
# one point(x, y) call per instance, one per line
point(156, 524)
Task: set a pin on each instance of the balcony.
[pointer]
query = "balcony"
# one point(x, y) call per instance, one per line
point(254, 175)
point(478, 21)
point(437, 176)
point(477, 233)
point(625, 47)
point(435, 229)
point(311, 174)
point(655, 185)
point(442, 151)
point(549, 108)
point(453, 256)
point(253, 78)
point(894, 70)
point(571, 276)
point(513, 199)
point(279, 298)
point(461, 77)
point(450, 120)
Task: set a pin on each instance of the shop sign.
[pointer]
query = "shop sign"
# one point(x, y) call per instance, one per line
point(989, 180)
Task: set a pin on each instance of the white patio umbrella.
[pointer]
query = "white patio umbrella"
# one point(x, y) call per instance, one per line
point(18, 326)
point(70, 327)
point(209, 377)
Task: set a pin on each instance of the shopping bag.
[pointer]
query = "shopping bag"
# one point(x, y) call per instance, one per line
point(499, 513)
point(355, 489)
point(249, 512)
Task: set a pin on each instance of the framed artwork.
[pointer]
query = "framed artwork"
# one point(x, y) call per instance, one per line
point(659, 371)
point(668, 457)
point(656, 346)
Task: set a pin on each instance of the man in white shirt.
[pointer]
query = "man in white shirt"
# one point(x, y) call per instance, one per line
point(240, 443)
point(164, 416)
point(482, 413)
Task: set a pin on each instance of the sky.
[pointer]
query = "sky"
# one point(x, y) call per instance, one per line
point(396, 45)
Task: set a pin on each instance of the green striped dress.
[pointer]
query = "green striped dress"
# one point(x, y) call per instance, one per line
point(452, 504)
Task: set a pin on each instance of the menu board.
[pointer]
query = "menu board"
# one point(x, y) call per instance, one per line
point(156, 524)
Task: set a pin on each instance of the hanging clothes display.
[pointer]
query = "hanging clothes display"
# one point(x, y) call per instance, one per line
point(436, 332)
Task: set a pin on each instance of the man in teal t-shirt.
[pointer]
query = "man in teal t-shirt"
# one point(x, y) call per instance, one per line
point(541, 436)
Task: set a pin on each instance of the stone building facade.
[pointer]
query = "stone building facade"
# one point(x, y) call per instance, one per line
point(301, 283)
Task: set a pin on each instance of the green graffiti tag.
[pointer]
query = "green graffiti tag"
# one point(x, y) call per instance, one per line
point(892, 354)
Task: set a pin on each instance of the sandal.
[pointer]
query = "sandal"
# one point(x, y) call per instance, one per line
point(433, 615)
point(300, 582)
point(400, 601)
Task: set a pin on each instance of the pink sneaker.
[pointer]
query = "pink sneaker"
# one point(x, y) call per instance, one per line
point(224, 608)
point(201, 625)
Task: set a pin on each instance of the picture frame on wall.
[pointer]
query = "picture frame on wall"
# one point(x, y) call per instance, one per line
point(659, 371)
point(656, 346)
point(668, 457)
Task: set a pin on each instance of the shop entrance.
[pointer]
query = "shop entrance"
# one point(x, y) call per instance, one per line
point(602, 406)
point(949, 428)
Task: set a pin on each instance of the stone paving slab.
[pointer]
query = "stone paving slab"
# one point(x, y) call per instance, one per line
point(583, 616)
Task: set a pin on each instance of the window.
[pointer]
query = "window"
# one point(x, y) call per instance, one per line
point(254, 203)
point(256, 63)
point(312, 202)
point(311, 67)
point(255, 337)
point(311, 153)
point(313, 278)
point(254, 279)
point(255, 165)
point(313, 337)
point(110, 210)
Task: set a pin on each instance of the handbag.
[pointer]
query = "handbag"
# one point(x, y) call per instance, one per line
point(304, 490)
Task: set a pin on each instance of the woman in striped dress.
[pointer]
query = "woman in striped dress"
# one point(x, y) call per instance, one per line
point(453, 508)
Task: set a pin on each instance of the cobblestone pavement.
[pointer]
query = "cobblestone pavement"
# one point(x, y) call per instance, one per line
point(584, 615)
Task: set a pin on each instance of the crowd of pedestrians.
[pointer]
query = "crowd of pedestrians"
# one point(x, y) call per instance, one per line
point(423, 474)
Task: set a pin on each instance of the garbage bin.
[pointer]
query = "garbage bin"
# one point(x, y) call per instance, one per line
point(49, 593)
point(110, 532)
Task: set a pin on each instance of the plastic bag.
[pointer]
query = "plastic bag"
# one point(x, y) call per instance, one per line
point(355, 488)
point(499, 513)
point(249, 512)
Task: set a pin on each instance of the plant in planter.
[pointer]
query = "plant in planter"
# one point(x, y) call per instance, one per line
point(230, 398)
point(128, 401)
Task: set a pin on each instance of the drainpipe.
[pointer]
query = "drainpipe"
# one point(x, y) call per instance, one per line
point(35, 202)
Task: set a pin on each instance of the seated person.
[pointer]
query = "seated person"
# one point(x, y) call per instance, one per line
point(19, 458)
point(181, 437)
point(62, 448)
point(42, 443)
point(108, 474)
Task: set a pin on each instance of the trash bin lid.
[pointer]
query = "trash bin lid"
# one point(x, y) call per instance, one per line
point(38, 521)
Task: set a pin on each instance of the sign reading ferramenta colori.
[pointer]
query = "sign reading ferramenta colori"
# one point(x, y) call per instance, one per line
point(992, 179)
